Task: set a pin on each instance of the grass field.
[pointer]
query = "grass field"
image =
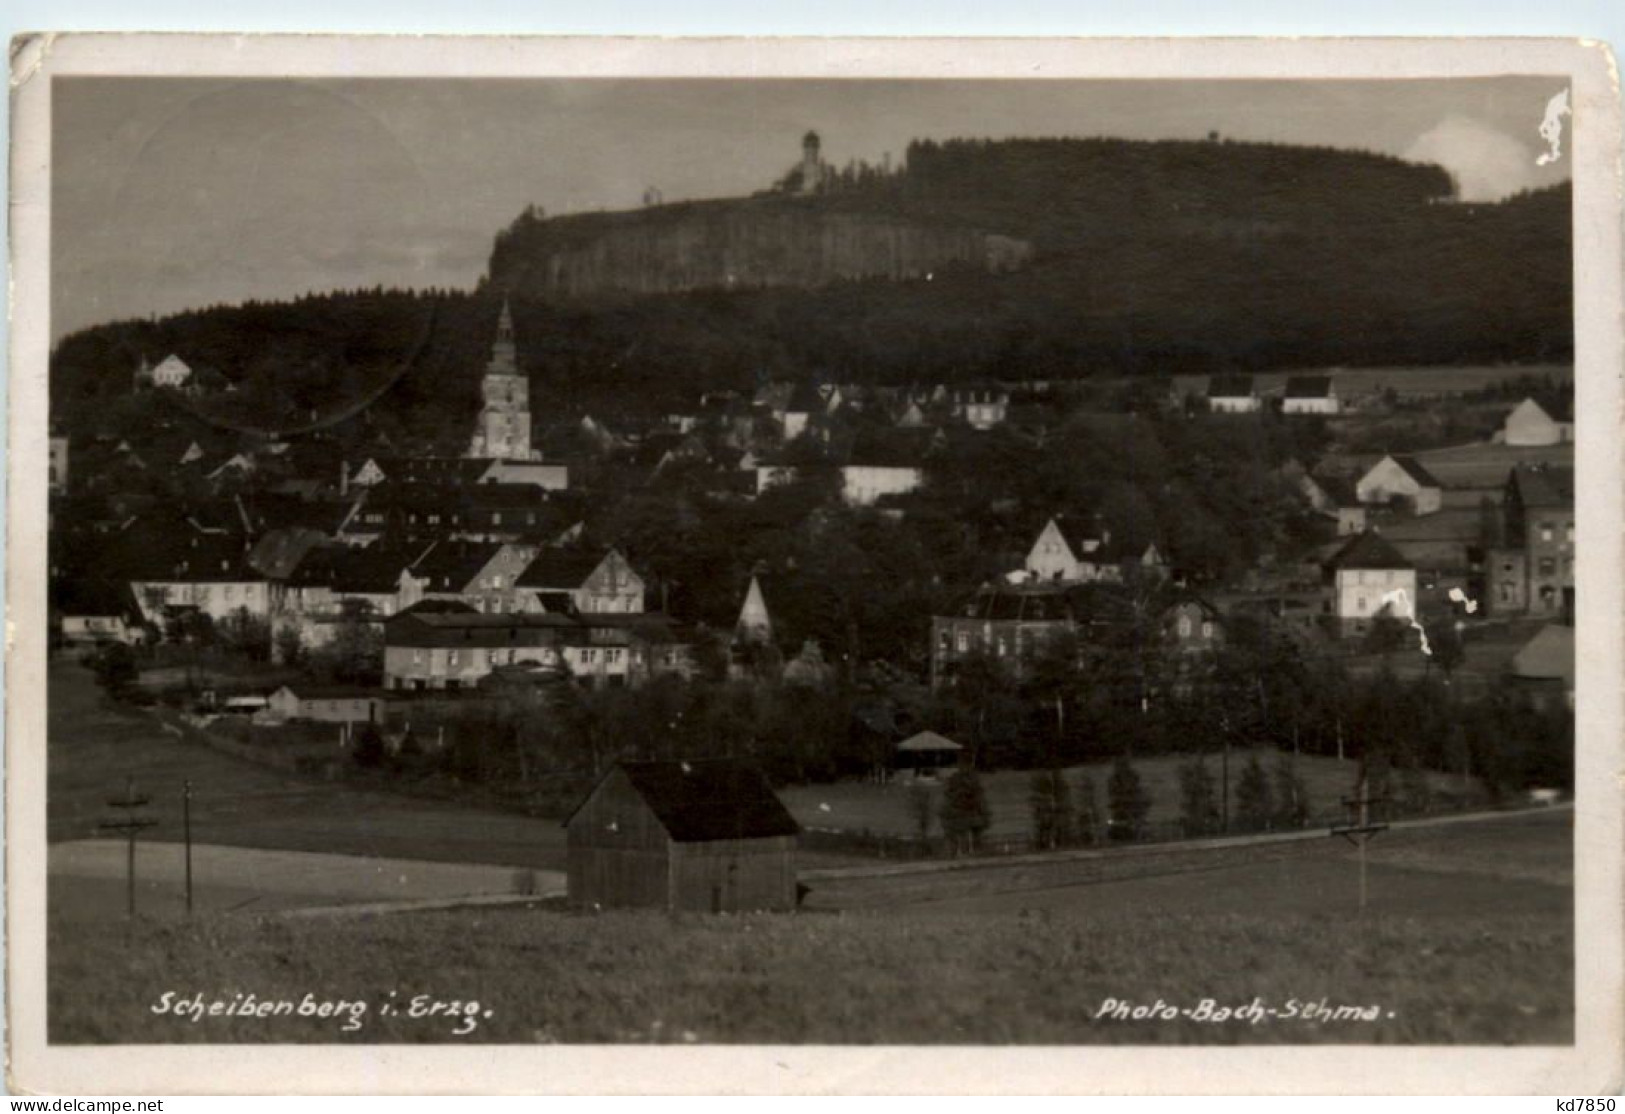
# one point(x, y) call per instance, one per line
point(1468, 940)
point(883, 809)
point(94, 746)
point(1485, 466)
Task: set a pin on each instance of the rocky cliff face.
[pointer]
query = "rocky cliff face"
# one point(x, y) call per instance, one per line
point(737, 245)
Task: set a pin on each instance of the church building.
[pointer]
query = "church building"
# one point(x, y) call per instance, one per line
point(504, 423)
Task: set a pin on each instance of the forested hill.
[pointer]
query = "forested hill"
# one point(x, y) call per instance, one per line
point(1165, 256)
point(1144, 258)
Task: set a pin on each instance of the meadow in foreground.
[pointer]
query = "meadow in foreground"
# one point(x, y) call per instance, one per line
point(541, 974)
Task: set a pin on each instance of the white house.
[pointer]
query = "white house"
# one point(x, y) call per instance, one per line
point(587, 581)
point(1309, 394)
point(862, 485)
point(1370, 577)
point(1404, 478)
point(769, 476)
point(368, 474)
point(981, 407)
point(755, 625)
point(95, 611)
point(1051, 557)
point(326, 704)
point(1233, 394)
point(548, 477)
point(215, 593)
point(172, 372)
point(1088, 557)
point(1531, 424)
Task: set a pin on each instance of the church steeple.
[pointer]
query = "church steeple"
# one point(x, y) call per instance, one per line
point(504, 352)
point(505, 324)
point(503, 428)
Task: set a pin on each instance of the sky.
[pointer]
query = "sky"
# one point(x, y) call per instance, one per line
point(169, 194)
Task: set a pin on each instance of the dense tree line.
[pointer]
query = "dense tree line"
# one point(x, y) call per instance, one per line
point(1328, 277)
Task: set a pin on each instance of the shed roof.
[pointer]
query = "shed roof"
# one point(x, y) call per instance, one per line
point(1369, 550)
point(561, 569)
point(709, 799)
point(928, 741)
point(452, 566)
point(1309, 386)
point(1541, 485)
point(1549, 655)
point(1413, 468)
point(1230, 386)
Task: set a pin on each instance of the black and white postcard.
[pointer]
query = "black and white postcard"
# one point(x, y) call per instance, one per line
point(814, 565)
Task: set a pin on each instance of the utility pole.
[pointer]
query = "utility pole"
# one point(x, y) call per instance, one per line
point(186, 828)
point(1360, 829)
point(130, 827)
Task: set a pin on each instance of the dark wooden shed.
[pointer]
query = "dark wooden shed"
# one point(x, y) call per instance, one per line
point(698, 835)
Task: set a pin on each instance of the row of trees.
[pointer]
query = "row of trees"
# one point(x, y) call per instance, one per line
point(1066, 812)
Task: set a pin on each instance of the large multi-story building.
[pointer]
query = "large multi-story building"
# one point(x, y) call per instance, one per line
point(1532, 571)
point(504, 421)
point(456, 648)
point(1011, 623)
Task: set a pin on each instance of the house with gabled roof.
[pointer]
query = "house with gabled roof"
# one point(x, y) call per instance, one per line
point(804, 404)
point(444, 645)
point(980, 405)
point(1328, 494)
point(203, 572)
point(91, 611)
point(1069, 552)
point(367, 473)
point(456, 569)
point(590, 581)
point(548, 475)
point(375, 582)
point(1309, 394)
point(1368, 577)
point(1543, 669)
point(755, 623)
point(1535, 422)
point(1402, 480)
point(171, 372)
point(1233, 394)
point(1011, 623)
point(696, 835)
point(880, 463)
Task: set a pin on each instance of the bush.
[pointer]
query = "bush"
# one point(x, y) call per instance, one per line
point(1127, 801)
point(1198, 811)
point(1051, 802)
point(1291, 798)
point(920, 802)
point(1255, 810)
point(1087, 825)
point(115, 669)
point(964, 812)
point(367, 748)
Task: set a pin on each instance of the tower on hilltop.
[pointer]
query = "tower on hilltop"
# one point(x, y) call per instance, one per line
point(807, 177)
point(503, 429)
